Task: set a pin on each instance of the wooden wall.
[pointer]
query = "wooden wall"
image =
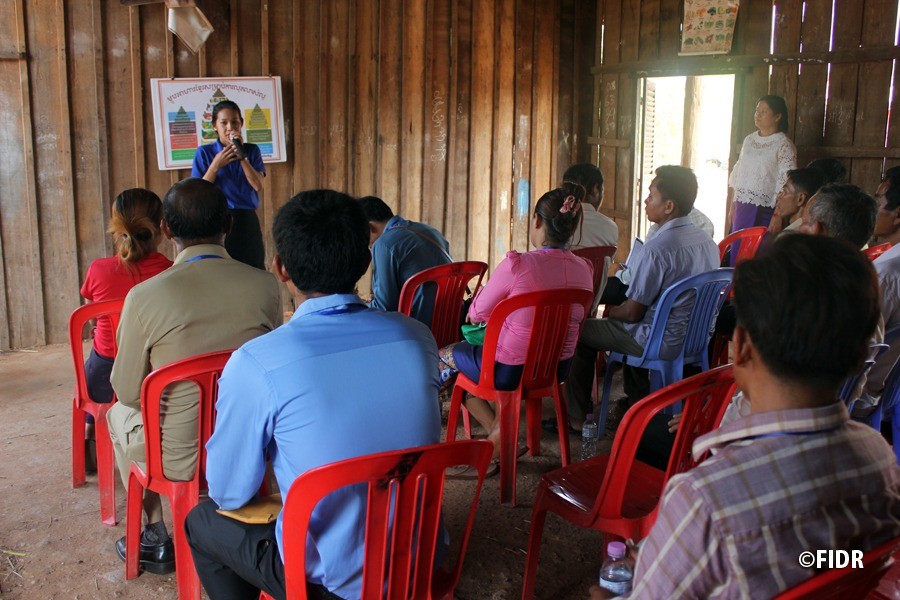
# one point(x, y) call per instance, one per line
point(837, 87)
point(459, 113)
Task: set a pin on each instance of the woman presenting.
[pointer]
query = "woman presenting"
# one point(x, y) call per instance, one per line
point(237, 169)
point(760, 172)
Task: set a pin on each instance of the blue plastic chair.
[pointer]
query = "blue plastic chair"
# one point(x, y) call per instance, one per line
point(710, 290)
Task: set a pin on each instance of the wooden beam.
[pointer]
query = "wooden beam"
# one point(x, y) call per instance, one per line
point(609, 142)
point(688, 65)
point(849, 151)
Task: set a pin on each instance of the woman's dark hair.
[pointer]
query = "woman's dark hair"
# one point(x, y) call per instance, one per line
point(678, 184)
point(810, 306)
point(226, 104)
point(322, 237)
point(559, 226)
point(135, 222)
point(778, 107)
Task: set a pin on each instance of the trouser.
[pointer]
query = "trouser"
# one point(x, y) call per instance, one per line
point(236, 560)
point(601, 335)
point(126, 430)
point(96, 373)
point(244, 243)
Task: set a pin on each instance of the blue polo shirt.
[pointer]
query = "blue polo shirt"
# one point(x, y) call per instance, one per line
point(339, 380)
point(230, 178)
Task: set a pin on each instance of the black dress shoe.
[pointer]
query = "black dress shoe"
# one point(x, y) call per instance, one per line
point(550, 426)
point(155, 558)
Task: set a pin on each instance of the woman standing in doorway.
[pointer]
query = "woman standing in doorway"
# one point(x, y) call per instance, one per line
point(761, 170)
point(237, 169)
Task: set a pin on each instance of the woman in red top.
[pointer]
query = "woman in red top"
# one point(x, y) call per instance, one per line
point(134, 224)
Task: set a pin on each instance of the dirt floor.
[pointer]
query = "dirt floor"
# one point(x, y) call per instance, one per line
point(53, 545)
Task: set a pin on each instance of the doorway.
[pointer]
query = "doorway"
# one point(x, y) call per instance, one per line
point(686, 120)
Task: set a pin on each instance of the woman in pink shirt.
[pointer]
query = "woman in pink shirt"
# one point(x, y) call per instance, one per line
point(550, 266)
point(135, 227)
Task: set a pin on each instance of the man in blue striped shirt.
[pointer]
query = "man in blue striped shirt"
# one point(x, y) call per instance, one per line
point(326, 386)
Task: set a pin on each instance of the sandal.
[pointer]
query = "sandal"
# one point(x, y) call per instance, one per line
point(470, 472)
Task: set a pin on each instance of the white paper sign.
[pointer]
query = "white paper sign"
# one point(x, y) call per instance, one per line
point(182, 115)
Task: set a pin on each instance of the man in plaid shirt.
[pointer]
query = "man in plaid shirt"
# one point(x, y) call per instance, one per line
point(796, 475)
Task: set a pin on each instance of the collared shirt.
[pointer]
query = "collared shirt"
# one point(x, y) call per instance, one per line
point(778, 483)
point(230, 178)
point(887, 266)
point(338, 381)
point(403, 249)
point(596, 230)
point(678, 250)
point(193, 307)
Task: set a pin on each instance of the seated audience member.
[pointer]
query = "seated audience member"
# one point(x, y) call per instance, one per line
point(796, 474)
point(596, 228)
point(617, 285)
point(326, 386)
point(678, 250)
point(887, 230)
point(136, 214)
point(833, 170)
point(800, 186)
point(401, 249)
point(205, 302)
point(549, 266)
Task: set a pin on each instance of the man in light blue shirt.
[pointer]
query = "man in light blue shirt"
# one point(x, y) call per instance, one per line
point(326, 386)
point(679, 249)
point(401, 249)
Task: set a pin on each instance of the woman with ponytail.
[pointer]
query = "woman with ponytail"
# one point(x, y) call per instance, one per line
point(550, 266)
point(136, 215)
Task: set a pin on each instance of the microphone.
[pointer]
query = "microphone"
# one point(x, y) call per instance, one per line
point(239, 146)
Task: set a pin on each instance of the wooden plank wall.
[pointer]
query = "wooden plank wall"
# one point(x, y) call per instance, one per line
point(456, 112)
point(832, 60)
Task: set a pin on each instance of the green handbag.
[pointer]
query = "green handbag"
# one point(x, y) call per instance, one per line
point(474, 333)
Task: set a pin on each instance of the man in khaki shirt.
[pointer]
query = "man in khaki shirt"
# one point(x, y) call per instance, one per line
point(204, 303)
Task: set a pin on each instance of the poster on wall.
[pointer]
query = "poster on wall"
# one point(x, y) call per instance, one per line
point(182, 115)
point(708, 26)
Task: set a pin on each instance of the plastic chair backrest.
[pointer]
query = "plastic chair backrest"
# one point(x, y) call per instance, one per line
point(599, 257)
point(873, 252)
point(710, 290)
point(403, 515)
point(846, 582)
point(749, 238)
point(451, 280)
point(705, 397)
point(203, 370)
point(549, 327)
point(78, 319)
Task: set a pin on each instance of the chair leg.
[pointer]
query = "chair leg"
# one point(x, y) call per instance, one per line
point(562, 418)
point(533, 426)
point(78, 420)
point(509, 411)
point(453, 414)
point(185, 498)
point(134, 508)
point(106, 472)
point(535, 532)
point(604, 400)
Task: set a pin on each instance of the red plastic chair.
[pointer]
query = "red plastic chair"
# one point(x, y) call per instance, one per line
point(749, 240)
point(451, 281)
point(550, 322)
point(846, 582)
point(402, 518)
point(873, 252)
point(597, 255)
point(82, 405)
point(204, 371)
point(616, 493)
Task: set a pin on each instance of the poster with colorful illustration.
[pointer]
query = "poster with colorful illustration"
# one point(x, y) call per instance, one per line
point(708, 26)
point(182, 114)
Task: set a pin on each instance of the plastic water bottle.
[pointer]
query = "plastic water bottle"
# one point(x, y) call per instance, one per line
point(615, 574)
point(589, 436)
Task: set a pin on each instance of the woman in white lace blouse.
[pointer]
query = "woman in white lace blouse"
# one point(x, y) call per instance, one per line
point(760, 172)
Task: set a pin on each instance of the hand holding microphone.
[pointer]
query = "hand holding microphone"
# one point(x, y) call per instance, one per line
point(239, 147)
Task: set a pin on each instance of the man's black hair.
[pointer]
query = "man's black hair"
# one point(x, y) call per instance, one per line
point(195, 209)
point(678, 184)
point(376, 209)
point(322, 237)
point(810, 306)
point(846, 212)
point(807, 180)
point(892, 177)
point(585, 174)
